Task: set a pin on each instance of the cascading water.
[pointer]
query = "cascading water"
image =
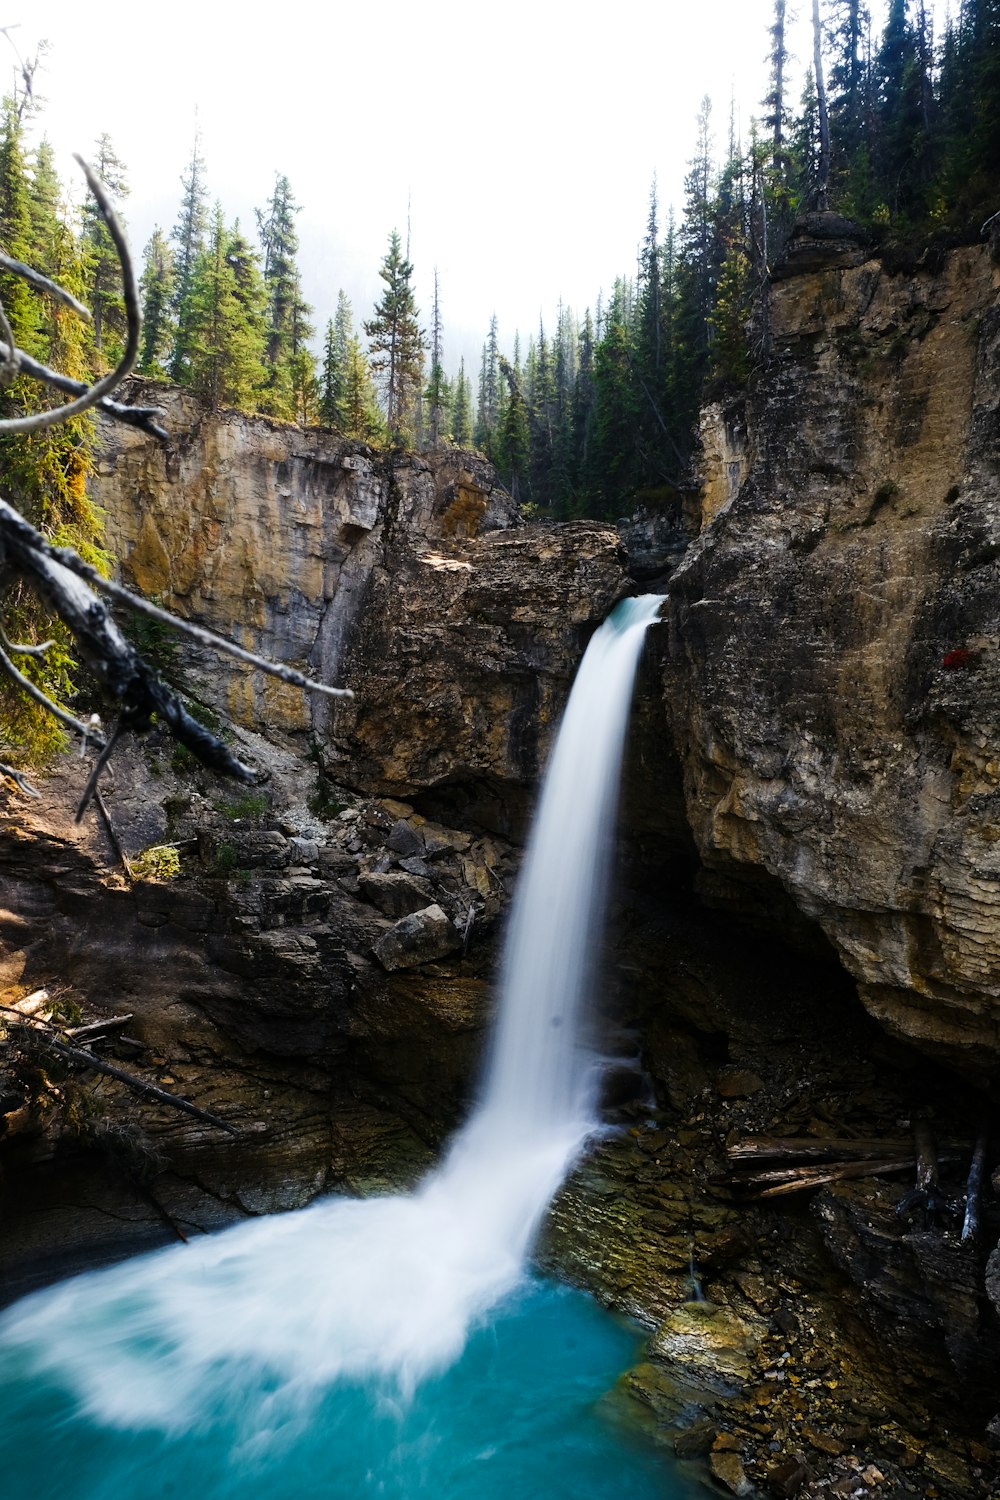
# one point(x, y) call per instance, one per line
point(388, 1288)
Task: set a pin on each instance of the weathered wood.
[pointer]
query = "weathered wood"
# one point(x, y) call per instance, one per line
point(753, 1149)
point(96, 1030)
point(30, 1005)
point(974, 1192)
point(800, 1179)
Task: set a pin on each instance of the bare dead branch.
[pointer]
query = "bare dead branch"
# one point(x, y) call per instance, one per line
point(39, 421)
point(17, 649)
point(66, 558)
point(19, 780)
point(80, 1058)
point(43, 284)
point(46, 702)
point(11, 362)
point(132, 416)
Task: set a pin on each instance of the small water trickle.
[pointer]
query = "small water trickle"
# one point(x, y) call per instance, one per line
point(383, 1289)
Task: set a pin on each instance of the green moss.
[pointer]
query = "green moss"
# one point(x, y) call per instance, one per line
point(158, 862)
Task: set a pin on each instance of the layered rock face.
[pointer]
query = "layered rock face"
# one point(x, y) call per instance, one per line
point(832, 682)
point(407, 579)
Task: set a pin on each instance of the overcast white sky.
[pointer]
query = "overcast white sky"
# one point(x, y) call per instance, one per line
point(525, 135)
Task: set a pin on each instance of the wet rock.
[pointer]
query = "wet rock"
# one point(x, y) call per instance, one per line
point(417, 939)
point(695, 1441)
point(711, 1344)
point(728, 1469)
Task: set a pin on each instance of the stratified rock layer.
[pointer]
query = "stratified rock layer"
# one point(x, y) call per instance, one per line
point(833, 682)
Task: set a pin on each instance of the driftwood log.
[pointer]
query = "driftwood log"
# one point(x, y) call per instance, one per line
point(773, 1166)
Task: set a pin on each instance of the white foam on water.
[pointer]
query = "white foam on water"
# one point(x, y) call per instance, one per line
point(385, 1287)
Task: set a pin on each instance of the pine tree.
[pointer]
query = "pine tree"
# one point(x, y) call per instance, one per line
point(903, 161)
point(362, 416)
point(487, 406)
point(396, 342)
point(289, 387)
point(461, 410)
point(697, 269)
point(103, 274)
point(189, 237)
point(775, 106)
point(47, 224)
point(513, 439)
point(333, 383)
point(226, 324)
point(157, 287)
point(437, 395)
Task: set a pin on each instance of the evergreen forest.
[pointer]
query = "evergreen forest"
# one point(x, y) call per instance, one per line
point(590, 415)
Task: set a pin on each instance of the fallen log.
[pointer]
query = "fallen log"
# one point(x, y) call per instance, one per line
point(82, 1058)
point(758, 1148)
point(797, 1180)
point(95, 1031)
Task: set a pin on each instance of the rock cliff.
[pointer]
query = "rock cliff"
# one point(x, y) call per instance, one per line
point(824, 705)
point(833, 681)
point(317, 972)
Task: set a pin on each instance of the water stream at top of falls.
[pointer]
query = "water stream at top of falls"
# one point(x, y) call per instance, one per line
point(385, 1288)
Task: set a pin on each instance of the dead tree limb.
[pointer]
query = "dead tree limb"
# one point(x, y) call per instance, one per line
point(974, 1192)
point(109, 828)
point(80, 1058)
point(759, 1148)
point(61, 577)
point(38, 421)
point(799, 1179)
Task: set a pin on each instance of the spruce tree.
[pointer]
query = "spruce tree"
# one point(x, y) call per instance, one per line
point(289, 386)
point(189, 238)
point(396, 344)
point(226, 326)
point(362, 417)
point(513, 438)
point(461, 410)
point(489, 392)
point(157, 287)
point(333, 382)
point(903, 162)
point(103, 273)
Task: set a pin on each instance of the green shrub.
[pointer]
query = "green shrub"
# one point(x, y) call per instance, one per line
point(253, 805)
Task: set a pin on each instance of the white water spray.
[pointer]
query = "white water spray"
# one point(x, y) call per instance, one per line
point(384, 1287)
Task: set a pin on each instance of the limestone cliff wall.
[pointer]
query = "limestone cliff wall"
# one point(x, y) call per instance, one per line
point(409, 579)
point(833, 680)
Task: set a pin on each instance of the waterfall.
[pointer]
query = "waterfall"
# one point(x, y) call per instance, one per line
point(384, 1288)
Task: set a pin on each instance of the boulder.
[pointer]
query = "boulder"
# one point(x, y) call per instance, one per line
point(417, 939)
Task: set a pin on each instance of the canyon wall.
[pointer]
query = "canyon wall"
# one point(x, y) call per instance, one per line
point(833, 679)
